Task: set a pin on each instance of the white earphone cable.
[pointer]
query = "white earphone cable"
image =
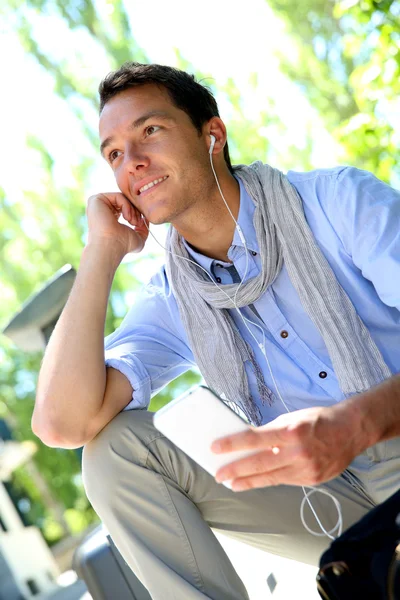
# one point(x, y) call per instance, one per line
point(312, 490)
point(339, 523)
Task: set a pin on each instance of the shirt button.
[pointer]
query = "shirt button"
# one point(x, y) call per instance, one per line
point(218, 279)
point(284, 334)
point(254, 253)
point(323, 374)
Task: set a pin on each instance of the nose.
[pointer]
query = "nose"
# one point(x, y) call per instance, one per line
point(135, 159)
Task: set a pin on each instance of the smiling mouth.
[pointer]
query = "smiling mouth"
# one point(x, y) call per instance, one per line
point(152, 184)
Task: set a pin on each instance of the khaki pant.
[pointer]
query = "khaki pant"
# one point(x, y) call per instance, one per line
point(160, 508)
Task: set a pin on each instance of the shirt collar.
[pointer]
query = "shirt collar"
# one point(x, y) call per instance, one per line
point(245, 220)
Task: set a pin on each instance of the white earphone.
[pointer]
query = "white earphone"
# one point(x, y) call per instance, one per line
point(312, 490)
point(213, 140)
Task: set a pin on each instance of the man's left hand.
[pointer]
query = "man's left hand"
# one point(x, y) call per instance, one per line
point(306, 447)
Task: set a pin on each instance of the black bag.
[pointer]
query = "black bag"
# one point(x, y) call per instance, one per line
point(364, 562)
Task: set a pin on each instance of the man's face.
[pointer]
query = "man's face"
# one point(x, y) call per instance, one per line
point(147, 140)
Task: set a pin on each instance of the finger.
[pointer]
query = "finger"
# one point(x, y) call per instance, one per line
point(283, 476)
point(260, 462)
point(142, 231)
point(143, 223)
point(127, 212)
point(253, 438)
point(136, 220)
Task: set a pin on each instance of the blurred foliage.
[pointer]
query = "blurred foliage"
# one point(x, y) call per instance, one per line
point(344, 56)
point(46, 231)
point(347, 61)
point(56, 469)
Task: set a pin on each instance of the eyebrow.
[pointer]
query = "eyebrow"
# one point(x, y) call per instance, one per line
point(138, 123)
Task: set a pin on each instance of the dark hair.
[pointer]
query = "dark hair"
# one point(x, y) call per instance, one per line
point(185, 92)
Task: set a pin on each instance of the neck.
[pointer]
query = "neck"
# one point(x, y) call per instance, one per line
point(209, 229)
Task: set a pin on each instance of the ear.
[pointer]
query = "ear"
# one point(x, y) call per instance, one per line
point(216, 128)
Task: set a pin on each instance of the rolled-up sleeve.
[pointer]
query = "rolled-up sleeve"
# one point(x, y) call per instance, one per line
point(150, 346)
point(366, 215)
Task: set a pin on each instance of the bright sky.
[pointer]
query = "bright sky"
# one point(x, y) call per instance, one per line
point(225, 38)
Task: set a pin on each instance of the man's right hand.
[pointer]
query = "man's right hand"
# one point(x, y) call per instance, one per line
point(76, 395)
point(103, 212)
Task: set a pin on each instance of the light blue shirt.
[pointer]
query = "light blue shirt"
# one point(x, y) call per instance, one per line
point(355, 219)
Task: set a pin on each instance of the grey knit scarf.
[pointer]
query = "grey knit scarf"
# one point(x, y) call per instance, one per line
point(283, 235)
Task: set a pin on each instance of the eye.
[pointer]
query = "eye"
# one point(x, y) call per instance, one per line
point(150, 129)
point(113, 155)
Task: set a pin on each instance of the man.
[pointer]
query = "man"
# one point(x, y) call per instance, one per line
point(311, 354)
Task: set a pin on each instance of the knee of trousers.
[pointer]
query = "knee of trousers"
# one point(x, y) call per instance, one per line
point(123, 441)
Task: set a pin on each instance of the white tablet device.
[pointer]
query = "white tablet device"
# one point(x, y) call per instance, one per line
point(197, 418)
